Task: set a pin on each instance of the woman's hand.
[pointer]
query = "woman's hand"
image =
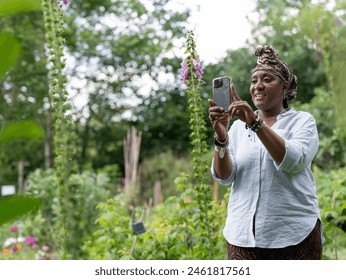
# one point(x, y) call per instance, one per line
point(240, 109)
point(219, 120)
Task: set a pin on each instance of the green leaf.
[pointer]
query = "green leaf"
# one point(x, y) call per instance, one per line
point(13, 207)
point(25, 129)
point(9, 51)
point(9, 7)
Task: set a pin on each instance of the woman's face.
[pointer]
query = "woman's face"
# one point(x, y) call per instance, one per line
point(267, 91)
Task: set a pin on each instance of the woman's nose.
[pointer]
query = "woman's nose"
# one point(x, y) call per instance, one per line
point(259, 85)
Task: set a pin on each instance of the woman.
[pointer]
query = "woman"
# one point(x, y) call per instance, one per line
point(273, 208)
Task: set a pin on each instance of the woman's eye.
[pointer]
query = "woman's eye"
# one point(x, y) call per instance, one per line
point(267, 80)
point(253, 81)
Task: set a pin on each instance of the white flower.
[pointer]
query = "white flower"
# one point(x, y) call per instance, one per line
point(20, 239)
point(9, 241)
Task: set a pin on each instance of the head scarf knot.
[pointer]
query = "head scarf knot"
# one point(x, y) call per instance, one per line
point(268, 60)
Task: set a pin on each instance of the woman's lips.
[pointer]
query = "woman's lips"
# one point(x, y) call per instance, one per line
point(259, 96)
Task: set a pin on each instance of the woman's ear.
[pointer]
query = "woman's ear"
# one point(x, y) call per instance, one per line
point(285, 86)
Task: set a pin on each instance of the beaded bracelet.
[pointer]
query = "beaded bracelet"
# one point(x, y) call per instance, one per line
point(257, 125)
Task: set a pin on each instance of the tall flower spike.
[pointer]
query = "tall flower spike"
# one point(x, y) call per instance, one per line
point(191, 67)
point(191, 74)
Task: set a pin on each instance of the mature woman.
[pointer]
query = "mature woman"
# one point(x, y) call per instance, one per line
point(273, 210)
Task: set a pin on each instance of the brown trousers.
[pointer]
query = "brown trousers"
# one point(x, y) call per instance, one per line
point(309, 249)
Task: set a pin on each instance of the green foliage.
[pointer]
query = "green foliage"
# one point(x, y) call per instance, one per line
point(20, 88)
point(121, 49)
point(170, 230)
point(25, 129)
point(15, 206)
point(163, 167)
point(186, 226)
point(10, 47)
point(169, 131)
point(328, 31)
point(332, 199)
point(8, 7)
point(331, 153)
point(88, 188)
point(113, 239)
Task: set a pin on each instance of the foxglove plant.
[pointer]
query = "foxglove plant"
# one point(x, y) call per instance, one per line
point(64, 137)
point(191, 75)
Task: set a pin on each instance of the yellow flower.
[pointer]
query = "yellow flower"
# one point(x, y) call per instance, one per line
point(5, 251)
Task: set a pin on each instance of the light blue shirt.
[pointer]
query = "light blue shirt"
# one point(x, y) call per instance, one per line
point(280, 199)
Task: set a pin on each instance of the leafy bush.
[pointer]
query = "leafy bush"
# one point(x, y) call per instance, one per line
point(163, 167)
point(89, 188)
point(331, 189)
point(170, 230)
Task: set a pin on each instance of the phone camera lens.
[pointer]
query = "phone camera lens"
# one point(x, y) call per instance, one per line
point(218, 83)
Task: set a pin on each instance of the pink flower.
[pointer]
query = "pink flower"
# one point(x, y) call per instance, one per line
point(25, 249)
point(185, 69)
point(65, 2)
point(14, 229)
point(35, 247)
point(45, 248)
point(198, 68)
point(30, 240)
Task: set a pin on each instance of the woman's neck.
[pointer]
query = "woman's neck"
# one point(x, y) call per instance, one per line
point(268, 115)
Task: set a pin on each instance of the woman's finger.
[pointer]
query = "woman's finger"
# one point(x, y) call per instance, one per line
point(211, 102)
point(233, 94)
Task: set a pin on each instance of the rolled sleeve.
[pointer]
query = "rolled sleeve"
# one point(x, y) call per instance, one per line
point(227, 181)
point(300, 149)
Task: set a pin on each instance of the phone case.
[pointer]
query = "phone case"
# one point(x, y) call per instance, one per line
point(221, 95)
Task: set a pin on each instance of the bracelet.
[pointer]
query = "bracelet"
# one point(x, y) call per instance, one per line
point(257, 125)
point(218, 143)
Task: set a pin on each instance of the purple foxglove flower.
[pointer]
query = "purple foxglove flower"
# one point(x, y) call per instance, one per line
point(184, 71)
point(198, 68)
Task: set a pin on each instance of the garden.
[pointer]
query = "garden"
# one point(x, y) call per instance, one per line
point(105, 134)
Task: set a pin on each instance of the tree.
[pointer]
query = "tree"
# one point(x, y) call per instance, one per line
point(118, 47)
point(24, 89)
point(326, 29)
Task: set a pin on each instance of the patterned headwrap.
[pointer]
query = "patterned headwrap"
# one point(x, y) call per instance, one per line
point(267, 60)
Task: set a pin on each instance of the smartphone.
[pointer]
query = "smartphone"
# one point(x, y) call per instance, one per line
point(221, 95)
